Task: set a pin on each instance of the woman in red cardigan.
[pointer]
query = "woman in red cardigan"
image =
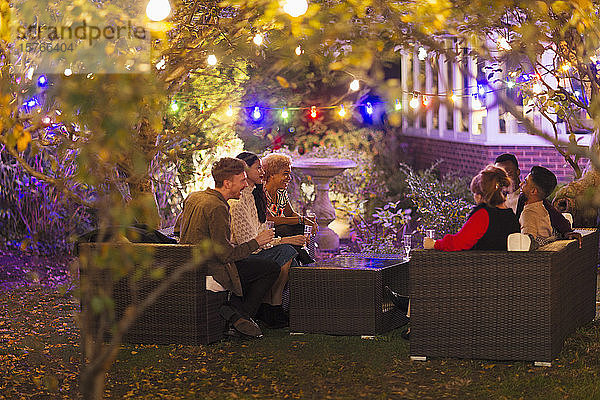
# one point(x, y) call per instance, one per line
point(489, 223)
point(487, 227)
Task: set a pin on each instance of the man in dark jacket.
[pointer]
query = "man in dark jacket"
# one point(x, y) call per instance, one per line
point(205, 217)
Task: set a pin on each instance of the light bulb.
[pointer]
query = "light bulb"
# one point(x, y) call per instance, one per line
point(313, 112)
point(354, 85)
point(157, 10)
point(46, 120)
point(68, 72)
point(299, 50)
point(295, 8)
point(369, 108)
point(229, 111)
point(480, 90)
point(422, 54)
point(566, 67)
point(174, 106)
point(342, 112)
point(414, 102)
point(161, 64)
point(42, 81)
point(256, 113)
point(284, 113)
point(425, 101)
point(258, 39)
point(454, 97)
point(398, 105)
point(211, 60)
point(29, 74)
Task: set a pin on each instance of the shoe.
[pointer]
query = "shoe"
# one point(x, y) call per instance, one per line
point(247, 327)
point(273, 317)
point(399, 301)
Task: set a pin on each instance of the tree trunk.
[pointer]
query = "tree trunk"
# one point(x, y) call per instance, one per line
point(92, 382)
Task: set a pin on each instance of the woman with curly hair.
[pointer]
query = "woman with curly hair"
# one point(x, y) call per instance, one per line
point(489, 223)
point(277, 170)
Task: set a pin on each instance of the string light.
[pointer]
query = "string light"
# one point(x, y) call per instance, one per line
point(299, 50)
point(229, 111)
point(161, 64)
point(313, 112)
point(398, 105)
point(414, 102)
point(369, 108)
point(211, 60)
point(157, 10)
point(422, 54)
point(256, 114)
point(174, 106)
point(453, 97)
point(46, 120)
point(354, 85)
point(426, 101)
point(29, 74)
point(566, 67)
point(284, 113)
point(342, 112)
point(258, 39)
point(42, 81)
point(68, 72)
point(295, 8)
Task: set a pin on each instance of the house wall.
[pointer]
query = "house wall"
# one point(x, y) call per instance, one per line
point(470, 158)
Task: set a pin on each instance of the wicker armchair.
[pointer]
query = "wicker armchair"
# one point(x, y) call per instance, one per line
point(501, 305)
point(186, 313)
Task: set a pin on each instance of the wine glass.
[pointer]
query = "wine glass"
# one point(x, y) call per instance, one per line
point(407, 242)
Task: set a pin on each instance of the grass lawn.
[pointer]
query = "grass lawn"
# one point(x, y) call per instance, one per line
point(39, 359)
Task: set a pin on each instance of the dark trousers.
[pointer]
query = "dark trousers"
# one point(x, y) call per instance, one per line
point(257, 276)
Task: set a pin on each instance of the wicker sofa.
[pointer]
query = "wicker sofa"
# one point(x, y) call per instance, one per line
point(186, 313)
point(501, 305)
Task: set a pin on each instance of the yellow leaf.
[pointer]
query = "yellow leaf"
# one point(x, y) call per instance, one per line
point(282, 81)
point(560, 7)
point(23, 141)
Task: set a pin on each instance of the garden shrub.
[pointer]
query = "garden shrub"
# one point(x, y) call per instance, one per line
point(440, 204)
point(34, 215)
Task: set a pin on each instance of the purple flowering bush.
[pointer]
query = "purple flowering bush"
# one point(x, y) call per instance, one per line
point(34, 215)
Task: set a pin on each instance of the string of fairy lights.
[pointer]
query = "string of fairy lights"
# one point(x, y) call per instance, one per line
point(158, 10)
point(417, 100)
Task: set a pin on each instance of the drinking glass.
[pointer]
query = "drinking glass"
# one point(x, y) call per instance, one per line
point(270, 224)
point(407, 241)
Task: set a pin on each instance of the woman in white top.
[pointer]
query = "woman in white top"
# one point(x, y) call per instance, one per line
point(246, 224)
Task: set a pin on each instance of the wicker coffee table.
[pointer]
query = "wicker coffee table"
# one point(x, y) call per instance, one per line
point(345, 296)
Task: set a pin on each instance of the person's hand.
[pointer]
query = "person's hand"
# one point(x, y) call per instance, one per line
point(313, 223)
point(297, 240)
point(574, 236)
point(428, 243)
point(265, 237)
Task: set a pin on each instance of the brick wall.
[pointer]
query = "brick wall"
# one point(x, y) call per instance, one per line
point(470, 158)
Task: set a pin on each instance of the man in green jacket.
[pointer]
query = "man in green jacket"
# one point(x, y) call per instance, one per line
point(206, 217)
